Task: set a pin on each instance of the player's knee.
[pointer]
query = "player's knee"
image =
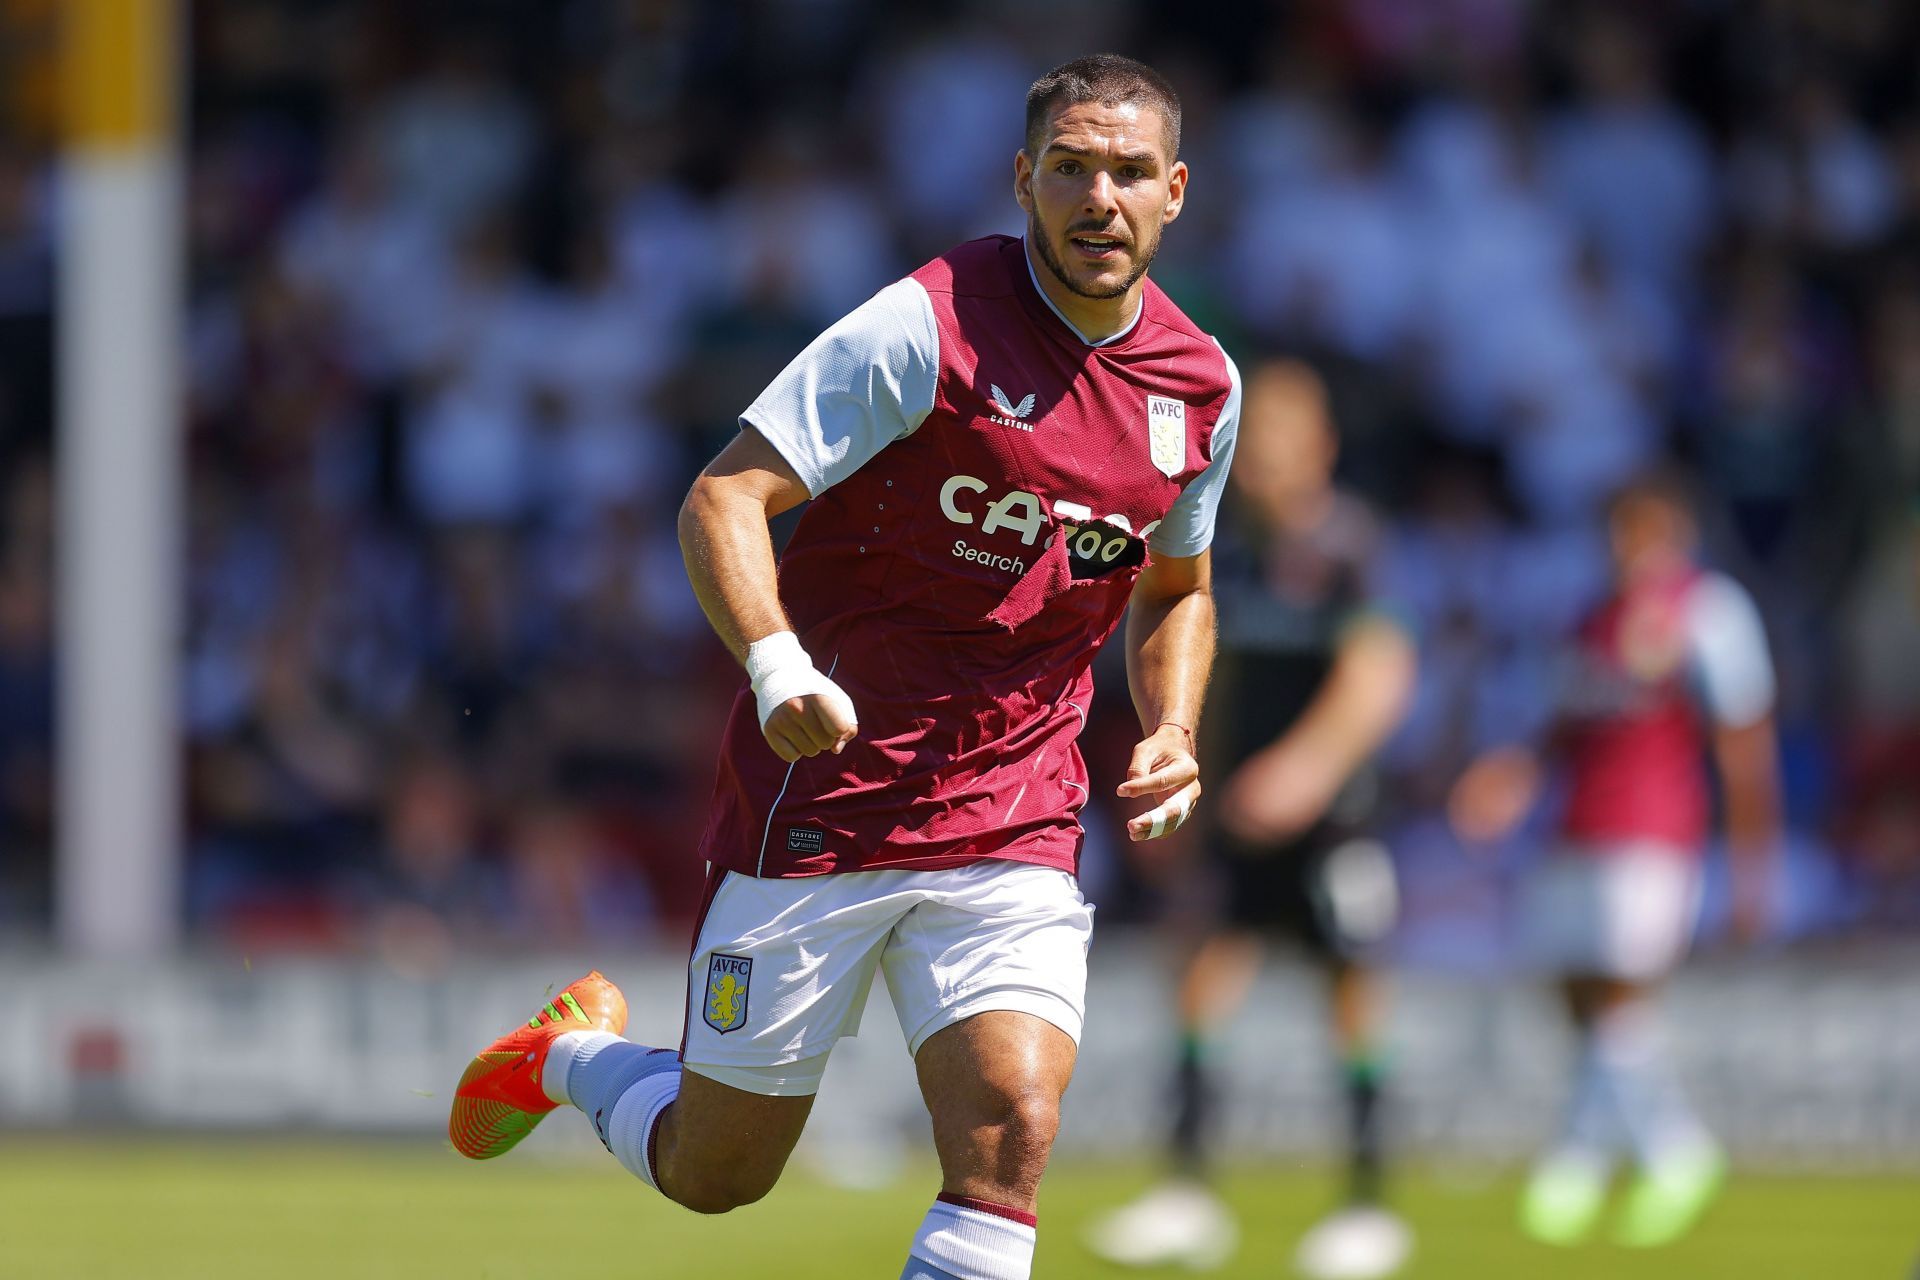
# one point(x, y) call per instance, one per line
point(714, 1199)
point(1035, 1120)
point(721, 1190)
point(1023, 1123)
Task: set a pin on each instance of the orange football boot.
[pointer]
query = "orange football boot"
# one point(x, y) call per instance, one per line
point(499, 1099)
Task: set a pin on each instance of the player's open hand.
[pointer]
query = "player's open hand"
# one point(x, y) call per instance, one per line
point(1164, 769)
point(1494, 795)
point(811, 723)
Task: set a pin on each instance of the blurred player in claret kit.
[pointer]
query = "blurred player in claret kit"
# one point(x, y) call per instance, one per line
point(1004, 451)
point(1671, 668)
point(1313, 676)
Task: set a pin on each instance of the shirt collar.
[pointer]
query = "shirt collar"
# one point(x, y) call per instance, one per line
point(1071, 326)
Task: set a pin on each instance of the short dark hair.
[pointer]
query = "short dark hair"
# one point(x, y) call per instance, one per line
point(1108, 79)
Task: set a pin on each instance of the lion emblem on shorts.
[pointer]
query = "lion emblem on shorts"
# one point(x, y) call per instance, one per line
point(728, 978)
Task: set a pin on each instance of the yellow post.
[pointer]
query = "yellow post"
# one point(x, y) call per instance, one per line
point(118, 71)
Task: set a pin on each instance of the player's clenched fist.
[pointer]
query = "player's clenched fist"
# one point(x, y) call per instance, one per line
point(802, 712)
point(1163, 768)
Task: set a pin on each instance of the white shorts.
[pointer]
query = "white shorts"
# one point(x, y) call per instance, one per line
point(781, 968)
point(1621, 911)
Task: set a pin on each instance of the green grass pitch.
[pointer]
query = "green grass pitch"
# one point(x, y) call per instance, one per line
point(151, 1210)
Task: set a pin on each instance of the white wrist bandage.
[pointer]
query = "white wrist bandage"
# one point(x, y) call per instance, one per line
point(779, 669)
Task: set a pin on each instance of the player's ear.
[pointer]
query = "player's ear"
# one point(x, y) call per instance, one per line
point(1176, 191)
point(1023, 180)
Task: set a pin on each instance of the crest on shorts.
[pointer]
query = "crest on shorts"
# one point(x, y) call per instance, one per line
point(1167, 434)
point(728, 977)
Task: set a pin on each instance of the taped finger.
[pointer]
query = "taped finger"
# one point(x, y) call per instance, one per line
point(1169, 816)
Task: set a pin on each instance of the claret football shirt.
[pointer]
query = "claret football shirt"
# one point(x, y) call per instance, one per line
point(987, 484)
point(1654, 666)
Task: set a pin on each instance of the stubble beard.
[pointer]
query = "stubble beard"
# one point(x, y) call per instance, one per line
point(1037, 235)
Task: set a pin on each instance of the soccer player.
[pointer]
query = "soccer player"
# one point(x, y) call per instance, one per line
point(1004, 451)
point(1313, 676)
point(1671, 668)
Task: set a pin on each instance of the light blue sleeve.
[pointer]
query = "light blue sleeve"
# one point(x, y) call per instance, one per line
point(864, 383)
point(1727, 645)
point(1188, 528)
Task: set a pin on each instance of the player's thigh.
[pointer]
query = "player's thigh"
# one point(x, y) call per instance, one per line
point(780, 972)
point(993, 1084)
point(988, 976)
point(719, 1147)
point(990, 937)
point(1624, 912)
point(1653, 906)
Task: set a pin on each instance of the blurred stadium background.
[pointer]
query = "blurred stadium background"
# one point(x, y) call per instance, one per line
point(353, 357)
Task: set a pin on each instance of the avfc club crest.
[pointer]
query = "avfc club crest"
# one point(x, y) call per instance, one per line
point(1167, 434)
point(725, 1008)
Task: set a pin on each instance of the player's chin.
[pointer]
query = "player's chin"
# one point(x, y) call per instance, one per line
point(1097, 273)
point(1105, 281)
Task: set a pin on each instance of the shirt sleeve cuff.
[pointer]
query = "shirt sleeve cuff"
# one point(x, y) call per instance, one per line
point(796, 457)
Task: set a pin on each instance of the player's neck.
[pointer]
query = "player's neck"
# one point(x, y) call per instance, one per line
point(1654, 568)
point(1094, 320)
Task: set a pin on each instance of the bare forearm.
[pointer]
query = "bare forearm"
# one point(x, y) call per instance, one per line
point(729, 558)
point(1748, 760)
point(1362, 701)
point(1169, 657)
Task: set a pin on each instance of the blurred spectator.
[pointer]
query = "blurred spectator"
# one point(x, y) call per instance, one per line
point(1331, 254)
point(26, 300)
point(606, 352)
point(944, 106)
point(434, 882)
point(375, 265)
point(470, 451)
point(458, 139)
point(26, 691)
point(1821, 177)
point(1624, 161)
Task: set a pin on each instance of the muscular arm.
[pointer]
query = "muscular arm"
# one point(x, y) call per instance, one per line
point(1365, 696)
point(1732, 673)
point(724, 539)
point(729, 558)
point(1747, 758)
point(1285, 788)
point(1170, 639)
point(1169, 656)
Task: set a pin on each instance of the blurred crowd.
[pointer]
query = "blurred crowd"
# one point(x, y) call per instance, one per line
point(475, 288)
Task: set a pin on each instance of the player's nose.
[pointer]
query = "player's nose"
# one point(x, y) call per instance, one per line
point(1100, 194)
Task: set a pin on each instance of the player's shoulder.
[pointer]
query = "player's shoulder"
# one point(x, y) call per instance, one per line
point(1715, 602)
point(1715, 585)
point(1163, 313)
point(974, 269)
point(1168, 327)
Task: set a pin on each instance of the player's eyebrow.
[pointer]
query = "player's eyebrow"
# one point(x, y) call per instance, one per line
point(1129, 157)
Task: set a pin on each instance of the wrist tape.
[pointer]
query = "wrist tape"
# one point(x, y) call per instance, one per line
point(779, 669)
